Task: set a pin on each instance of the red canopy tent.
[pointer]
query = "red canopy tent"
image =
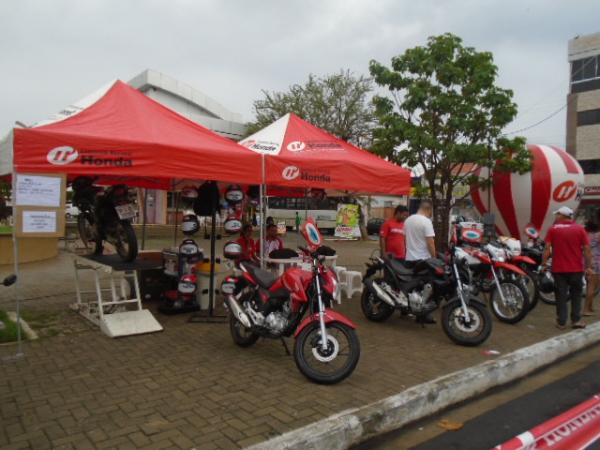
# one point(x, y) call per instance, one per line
point(127, 134)
point(299, 154)
point(129, 137)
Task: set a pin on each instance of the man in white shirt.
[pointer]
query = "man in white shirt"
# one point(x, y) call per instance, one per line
point(419, 237)
point(419, 234)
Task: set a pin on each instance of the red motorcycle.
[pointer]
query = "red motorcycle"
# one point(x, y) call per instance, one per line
point(517, 256)
point(487, 270)
point(298, 303)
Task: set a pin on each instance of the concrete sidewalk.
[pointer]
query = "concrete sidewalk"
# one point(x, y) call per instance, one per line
point(191, 387)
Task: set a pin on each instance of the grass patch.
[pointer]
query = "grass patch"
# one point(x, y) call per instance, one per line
point(39, 319)
point(5, 229)
point(9, 333)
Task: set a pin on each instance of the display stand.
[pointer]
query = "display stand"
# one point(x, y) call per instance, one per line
point(209, 316)
point(112, 316)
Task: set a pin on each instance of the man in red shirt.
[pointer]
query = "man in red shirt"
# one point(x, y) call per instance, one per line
point(391, 235)
point(568, 243)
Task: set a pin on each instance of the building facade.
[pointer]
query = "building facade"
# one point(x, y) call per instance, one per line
point(583, 117)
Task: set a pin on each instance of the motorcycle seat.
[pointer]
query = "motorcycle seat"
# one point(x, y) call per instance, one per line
point(264, 278)
point(399, 267)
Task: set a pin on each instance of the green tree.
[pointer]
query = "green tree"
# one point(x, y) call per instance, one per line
point(445, 113)
point(338, 103)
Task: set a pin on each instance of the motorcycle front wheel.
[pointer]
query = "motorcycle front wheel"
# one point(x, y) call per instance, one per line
point(241, 335)
point(531, 285)
point(126, 241)
point(87, 233)
point(548, 298)
point(330, 365)
point(465, 332)
point(373, 307)
point(515, 306)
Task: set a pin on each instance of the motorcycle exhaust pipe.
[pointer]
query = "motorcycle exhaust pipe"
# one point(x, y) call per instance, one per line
point(238, 312)
point(380, 292)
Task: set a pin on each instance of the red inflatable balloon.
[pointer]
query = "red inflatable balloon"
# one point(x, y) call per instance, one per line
point(519, 201)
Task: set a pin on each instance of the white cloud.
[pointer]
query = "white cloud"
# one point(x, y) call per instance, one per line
point(56, 52)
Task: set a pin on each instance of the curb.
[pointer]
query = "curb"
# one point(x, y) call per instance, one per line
point(31, 335)
point(356, 425)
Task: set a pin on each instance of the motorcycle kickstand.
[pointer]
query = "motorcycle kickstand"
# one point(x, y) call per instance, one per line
point(287, 350)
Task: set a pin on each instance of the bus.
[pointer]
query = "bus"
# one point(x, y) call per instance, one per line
point(324, 211)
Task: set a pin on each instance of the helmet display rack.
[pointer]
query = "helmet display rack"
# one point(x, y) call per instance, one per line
point(211, 205)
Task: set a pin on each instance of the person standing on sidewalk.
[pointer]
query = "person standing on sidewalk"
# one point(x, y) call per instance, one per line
point(297, 222)
point(418, 230)
point(592, 280)
point(568, 243)
point(419, 236)
point(391, 235)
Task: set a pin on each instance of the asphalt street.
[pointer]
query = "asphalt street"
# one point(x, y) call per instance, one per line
point(506, 420)
point(521, 414)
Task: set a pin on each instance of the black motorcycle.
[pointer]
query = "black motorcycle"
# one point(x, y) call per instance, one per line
point(419, 289)
point(105, 215)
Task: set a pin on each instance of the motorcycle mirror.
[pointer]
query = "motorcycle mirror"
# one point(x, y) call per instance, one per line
point(9, 280)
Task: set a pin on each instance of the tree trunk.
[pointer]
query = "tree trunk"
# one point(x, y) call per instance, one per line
point(441, 225)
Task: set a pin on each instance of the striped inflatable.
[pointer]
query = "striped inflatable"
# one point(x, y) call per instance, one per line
point(518, 201)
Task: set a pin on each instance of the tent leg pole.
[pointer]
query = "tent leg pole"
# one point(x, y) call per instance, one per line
point(211, 281)
point(305, 204)
point(144, 218)
point(262, 212)
point(176, 218)
point(262, 227)
point(19, 352)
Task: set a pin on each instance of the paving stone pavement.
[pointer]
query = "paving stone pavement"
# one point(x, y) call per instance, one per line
point(190, 386)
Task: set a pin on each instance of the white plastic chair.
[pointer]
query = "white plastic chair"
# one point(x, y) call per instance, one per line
point(353, 282)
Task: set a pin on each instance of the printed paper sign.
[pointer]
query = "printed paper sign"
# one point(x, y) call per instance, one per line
point(35, 190)
point(347, 222)
point(39, 221)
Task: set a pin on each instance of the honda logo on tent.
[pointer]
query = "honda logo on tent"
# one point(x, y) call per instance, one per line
point(60, 156)
point(296, 146)
point(290, 173)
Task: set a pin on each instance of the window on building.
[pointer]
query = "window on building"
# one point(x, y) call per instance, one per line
point(589, 117)
point(576, 72)
point(589, 68)
point(585, 69)
point(590, 166)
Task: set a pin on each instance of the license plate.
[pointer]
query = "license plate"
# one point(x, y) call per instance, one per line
point(125, 211)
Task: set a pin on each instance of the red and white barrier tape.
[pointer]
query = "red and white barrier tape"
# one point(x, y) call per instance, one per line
point(574, 429)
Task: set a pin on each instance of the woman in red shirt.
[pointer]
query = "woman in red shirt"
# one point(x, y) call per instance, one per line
point(247, 243)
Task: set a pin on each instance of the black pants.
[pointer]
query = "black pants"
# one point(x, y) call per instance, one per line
point(568, 286)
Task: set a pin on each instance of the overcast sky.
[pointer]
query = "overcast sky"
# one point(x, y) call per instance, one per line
point(55, 52)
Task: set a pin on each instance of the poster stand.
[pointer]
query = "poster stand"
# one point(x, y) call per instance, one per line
point(19, 353)
point(38, 204)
